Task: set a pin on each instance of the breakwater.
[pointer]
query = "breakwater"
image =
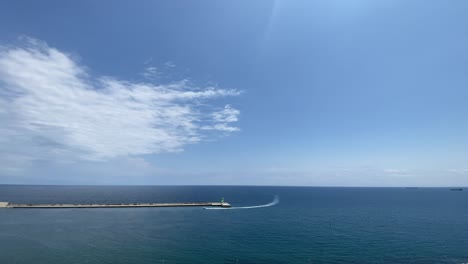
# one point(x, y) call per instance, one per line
point(51, 206)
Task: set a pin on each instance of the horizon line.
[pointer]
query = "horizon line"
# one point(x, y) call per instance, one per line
point(231, 185)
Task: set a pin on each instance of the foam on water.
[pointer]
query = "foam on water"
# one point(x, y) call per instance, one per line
point(274, 202)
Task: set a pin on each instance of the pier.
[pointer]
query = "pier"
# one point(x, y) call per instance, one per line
point(51, 206)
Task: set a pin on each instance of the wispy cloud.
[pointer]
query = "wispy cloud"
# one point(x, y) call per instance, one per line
point(151, 73)
point(169, 64)
point(223, 118)
point(227, 115)
point(53, 107)
point(459, 171)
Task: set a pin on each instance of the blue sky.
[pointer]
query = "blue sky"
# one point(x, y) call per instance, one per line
point(323, 93)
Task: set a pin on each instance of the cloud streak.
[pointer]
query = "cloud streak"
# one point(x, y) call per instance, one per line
point(52, 107)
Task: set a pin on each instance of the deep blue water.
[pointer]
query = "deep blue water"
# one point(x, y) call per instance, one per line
point(309, 225)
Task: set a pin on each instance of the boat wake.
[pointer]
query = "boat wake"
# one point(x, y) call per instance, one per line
point(273, 203)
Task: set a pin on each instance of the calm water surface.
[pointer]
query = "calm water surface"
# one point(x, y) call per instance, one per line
point(309, 225)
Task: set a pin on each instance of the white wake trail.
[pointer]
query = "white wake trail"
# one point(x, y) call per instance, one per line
point(274, 202)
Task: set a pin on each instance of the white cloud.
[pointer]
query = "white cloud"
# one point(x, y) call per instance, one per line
point(459, 171)
point(395, 172)
point(227, 115)
point(169, 64)
point(221, 127)
point(223, 118)
point(52, 107)
point(151, 73)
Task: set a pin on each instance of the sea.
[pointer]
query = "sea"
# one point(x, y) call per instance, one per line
point(265, 225)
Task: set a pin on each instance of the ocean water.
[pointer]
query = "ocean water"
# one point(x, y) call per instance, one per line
point(308, 225)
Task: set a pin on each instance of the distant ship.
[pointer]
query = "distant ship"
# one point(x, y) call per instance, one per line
point(456, 189)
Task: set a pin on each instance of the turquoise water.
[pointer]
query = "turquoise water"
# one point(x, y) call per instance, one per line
point(308, 225)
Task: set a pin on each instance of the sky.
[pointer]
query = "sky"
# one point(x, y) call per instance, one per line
point(313, 93)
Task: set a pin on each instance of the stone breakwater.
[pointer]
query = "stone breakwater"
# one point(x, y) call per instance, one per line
point(45, 206)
